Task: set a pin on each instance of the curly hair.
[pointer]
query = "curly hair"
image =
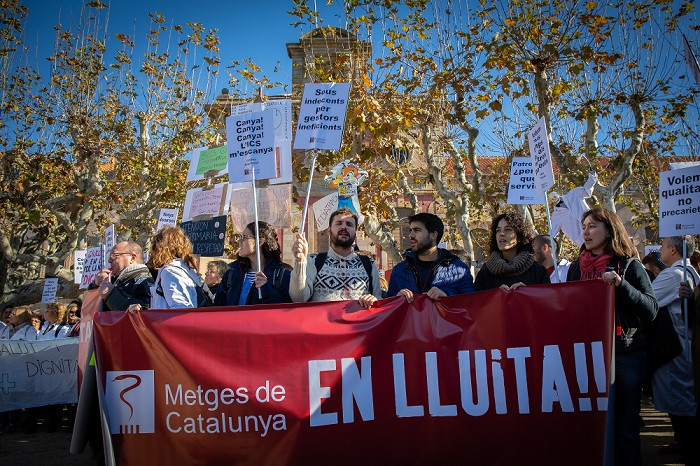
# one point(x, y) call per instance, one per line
point(58, 308)
point(618, 242)
point(169, 243)
point(522, 229)
point(269, 246)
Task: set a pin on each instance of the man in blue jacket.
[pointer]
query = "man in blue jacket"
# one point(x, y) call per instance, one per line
point(427, 268)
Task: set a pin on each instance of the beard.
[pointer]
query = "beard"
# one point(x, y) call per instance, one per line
point(342, 243)
point(422, 247)
point(539, 256)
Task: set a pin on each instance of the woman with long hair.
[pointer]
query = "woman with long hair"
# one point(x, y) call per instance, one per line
point(177, 281)
point(608, 254)
point(241, 282)
point(510, 263)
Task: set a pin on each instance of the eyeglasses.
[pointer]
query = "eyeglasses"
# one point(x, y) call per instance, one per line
point(115, 254)
point(246, 237)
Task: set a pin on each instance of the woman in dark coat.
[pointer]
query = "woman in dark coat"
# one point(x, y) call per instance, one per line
point(240, 283)
point(608, 254)
point(510, 263)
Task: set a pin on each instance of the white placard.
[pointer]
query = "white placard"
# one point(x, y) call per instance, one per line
point(274, 206)
point(521, 187)
point(78, 262)
point(679, 202)
point(251, 146)
point(651, 248)
point(92, 266)
point(322, 116)
point(677, 165)
point(212, 160)
point(48, 295)
point(541, 158)
point(213, 202)
point(323, 208)
point(167, 217)
point(109, 243)
point(691, 61)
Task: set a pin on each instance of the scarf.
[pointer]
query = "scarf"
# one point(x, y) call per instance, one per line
point(593, 266)
point(501, 267)
point(132, 271)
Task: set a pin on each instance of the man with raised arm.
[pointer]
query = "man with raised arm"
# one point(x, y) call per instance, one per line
point(340, 274)
point(132, 279)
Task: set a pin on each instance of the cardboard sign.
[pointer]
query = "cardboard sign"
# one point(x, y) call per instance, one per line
point(48, 295)
point(251, 146)
point(323, 208)
point(207, 236)
point(207, 160)
point(211, 202)
point(322, 116)
point(274, 206)
point(78, 263)
point(679, 202)
point(541, 158)
point(92, 266)
point(521, 187)
point(167, 217)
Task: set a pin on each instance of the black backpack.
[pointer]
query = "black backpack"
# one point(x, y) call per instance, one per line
point(203, 298)
point(366, 263)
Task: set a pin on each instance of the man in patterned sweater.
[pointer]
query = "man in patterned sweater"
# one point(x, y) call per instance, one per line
point(343, 275)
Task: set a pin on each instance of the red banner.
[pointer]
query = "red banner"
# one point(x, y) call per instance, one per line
point(490, 378)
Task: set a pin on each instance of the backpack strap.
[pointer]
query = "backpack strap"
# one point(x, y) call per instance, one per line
point(277, 278)
point(367, 263)
point(320, 260)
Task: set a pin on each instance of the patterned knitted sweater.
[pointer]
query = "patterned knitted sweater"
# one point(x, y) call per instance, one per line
point(341, 278)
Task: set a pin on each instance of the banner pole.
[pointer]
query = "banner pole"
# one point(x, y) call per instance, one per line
point(308, 193)
point(257, 232)
point(551, 240)
point(685, 301)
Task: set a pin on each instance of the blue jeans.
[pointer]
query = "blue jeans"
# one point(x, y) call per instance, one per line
point(624, 404)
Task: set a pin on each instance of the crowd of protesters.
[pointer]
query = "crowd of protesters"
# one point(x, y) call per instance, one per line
point(516, 258)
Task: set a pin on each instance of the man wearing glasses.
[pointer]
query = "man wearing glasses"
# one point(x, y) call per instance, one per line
point(132, 279)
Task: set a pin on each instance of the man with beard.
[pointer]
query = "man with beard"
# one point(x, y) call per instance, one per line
point(132, 279)
point(427, 268)
point(338, 275)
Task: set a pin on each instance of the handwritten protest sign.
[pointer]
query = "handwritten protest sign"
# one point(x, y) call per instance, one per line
point(92, 266)
point(679, 202)
point(78, 262)
point(323, 208)
point(201, 201)
point(521, 187)
point(274, 206)
point(207, 236)
point(251, 146)
point(109, 244)
point(48, 295)
point(167, 217)
point(205, 160)
point(541, 158)
point(322, 116)
point(651, 248)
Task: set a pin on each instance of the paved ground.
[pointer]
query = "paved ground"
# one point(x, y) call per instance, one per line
point(51, 449)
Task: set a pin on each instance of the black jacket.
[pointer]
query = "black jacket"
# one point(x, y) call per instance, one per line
point(535, 275)
point(635, 303)
point(132, 287)
point(231, 284)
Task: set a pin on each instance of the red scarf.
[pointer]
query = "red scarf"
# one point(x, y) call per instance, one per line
point(593, 266)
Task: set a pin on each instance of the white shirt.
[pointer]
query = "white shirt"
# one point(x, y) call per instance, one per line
point(25, 331)
point(53, 332)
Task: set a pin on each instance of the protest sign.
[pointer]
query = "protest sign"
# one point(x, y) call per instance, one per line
point(323, 208)
point(208, 160)
point(203, 201)
point(472, 370)
point(167, 217)
point(78, 263)
point(651, 248)
point(541, 159)
point(322, 116)
point(521, 187)
point(251, 146)
point(109, 244)
point(38, 373)
point(282, 122)
point(677, 165)
point(48, 295)
point(92, 266)
point(207, 236)
point(679, 202)
point(691, 61)
point(274, 206)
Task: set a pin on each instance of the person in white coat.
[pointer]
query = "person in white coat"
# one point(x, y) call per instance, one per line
point(21, 318)
point(54, 328)
point(672, 383)
point(176, 283)
point(569, 208)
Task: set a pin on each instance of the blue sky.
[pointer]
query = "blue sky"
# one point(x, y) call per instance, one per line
point(257, 29)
